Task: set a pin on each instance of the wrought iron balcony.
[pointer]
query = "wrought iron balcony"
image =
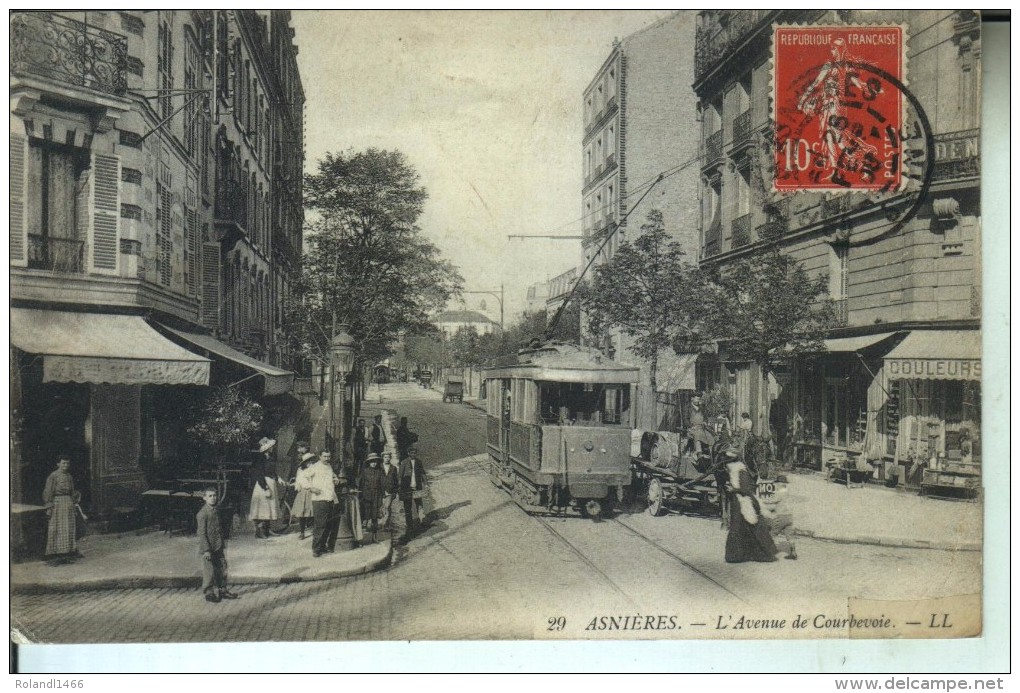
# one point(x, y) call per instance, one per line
point(719, 31)
point(742, 129)
point(957, 155)
point(713, 150)
point(231, 203)
point(835, 205)
point(56, 254)
point(48, 45)
point(741, 231)
point(778, 224)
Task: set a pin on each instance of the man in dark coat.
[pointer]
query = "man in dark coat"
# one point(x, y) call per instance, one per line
point(212, 547)
point(378, 442)
point(360, 442)
point(405, 438)
point(412, 484)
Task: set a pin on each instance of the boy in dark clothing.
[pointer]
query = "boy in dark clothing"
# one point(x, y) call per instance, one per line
point(373, 485)
point(378, 435)
point(212, 547)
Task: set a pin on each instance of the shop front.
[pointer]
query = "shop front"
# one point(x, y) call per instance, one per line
point(932, 417)
point(904, 406)
point(77, 387)
point(836, 398)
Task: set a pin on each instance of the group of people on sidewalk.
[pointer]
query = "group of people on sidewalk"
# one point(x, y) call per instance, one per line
point(324, 495)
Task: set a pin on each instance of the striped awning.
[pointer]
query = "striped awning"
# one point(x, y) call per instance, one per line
point(104, 348)
point(277, 380)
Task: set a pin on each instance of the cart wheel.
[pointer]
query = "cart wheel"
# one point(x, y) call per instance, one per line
point(655, 500)
point(593, 509)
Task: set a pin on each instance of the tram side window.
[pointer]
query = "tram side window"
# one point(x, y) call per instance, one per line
point(585, 404)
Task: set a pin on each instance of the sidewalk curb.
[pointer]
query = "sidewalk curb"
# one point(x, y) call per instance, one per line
point(889, 541)
point(194, 581)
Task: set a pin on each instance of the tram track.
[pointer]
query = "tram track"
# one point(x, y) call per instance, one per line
point(651, 542)
point(544, 521)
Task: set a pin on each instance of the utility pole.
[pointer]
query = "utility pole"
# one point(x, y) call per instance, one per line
point(498, 297)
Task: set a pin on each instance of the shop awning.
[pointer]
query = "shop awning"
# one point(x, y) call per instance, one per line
point(936, 355)
point(277, 380)
point(103, 348)
point(676, 372)
point(855, 344)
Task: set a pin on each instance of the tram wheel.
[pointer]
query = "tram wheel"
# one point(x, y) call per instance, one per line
point(656, 505)
point(592, 508)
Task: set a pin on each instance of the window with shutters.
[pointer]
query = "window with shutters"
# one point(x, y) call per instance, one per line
point(164, 64)
point(56, 204)
point(210, 294)
point(191, 259)
point(164, 230)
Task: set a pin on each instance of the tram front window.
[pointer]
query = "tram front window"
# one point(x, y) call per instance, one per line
point(582, 404)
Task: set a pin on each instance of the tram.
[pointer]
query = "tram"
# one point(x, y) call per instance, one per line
point(558, 428)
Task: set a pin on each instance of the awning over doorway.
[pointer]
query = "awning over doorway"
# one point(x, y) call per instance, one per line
point(277, 380)
point(855, 344)
point(937, 355)
point(104, 348)
point(676, 372)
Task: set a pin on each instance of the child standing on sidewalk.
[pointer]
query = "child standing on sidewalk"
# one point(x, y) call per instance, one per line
point(212, 547)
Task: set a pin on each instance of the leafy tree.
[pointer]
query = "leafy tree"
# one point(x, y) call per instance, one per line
point(648, 290)
point(368, 265)
point(766, 308)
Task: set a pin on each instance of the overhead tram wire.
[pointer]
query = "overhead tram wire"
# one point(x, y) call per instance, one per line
point(638, 188)
point(616, 227)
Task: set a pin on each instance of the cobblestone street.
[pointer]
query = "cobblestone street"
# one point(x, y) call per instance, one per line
point(486, 570)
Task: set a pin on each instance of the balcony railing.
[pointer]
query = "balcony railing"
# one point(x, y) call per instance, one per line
point(841, 314)
point(957, 155)
point(49, 45)
point(836, 205)
point(718, 32)
point(741, 231)
point(713, 149)
point(231, 203)
point(778, 224)
point(742, 129)
point(56, 254)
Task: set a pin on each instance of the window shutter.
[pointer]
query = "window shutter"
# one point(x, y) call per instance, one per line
point(18, 217)
point(210, 313)
point(191, 241)
point(105, 215)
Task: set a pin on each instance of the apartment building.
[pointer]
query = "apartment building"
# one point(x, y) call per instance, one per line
point(639, 122)
point(899, 380)
point(142, 255)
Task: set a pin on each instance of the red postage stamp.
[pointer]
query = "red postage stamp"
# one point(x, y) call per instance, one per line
point(837, 105)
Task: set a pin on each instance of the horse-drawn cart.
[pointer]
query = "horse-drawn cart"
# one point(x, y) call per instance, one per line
point(670, 476)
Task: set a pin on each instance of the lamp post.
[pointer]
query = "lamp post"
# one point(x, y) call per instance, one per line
point(341, 356)
point(498, 297)
point(341, 351)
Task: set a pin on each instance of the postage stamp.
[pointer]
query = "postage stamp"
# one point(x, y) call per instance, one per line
point(837, 105)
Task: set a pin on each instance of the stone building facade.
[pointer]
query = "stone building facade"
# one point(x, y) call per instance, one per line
point(638, 114)
point(141, 268)
point(899, 381)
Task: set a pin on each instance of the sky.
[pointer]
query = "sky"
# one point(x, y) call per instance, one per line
point(485, 105)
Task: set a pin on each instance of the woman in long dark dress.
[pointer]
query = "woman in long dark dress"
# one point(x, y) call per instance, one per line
point(59, 497)
point(749, 538)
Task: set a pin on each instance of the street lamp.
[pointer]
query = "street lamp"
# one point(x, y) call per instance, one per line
point(498, 297)
point(341, 352)
point(341, 356)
